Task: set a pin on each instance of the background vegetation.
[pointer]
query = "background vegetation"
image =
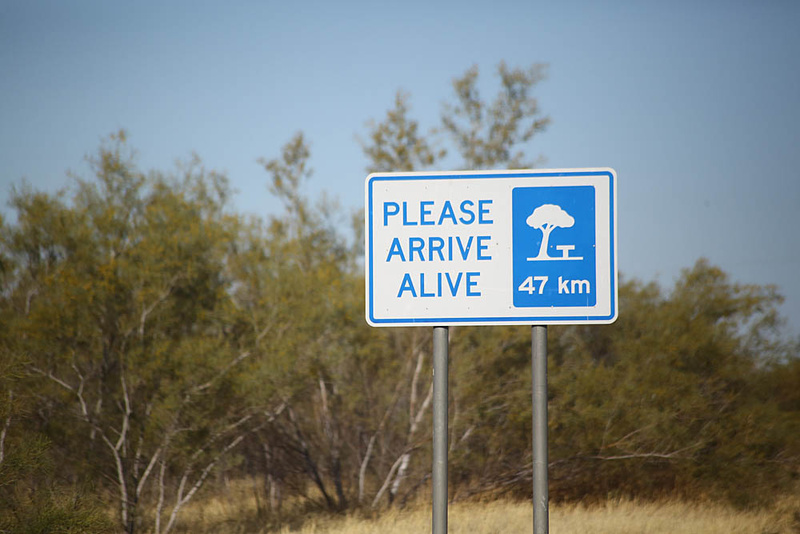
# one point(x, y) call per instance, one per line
point(156, 346)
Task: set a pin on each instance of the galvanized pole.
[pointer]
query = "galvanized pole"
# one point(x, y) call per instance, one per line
point(541, 523)
point(440, 355)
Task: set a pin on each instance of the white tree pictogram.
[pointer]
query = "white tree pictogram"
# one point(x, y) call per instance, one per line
point(546, 218)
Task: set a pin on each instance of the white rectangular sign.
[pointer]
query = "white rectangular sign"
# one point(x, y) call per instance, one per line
point(491, 247)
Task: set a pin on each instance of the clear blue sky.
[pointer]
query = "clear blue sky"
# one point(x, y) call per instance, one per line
point(695, 104)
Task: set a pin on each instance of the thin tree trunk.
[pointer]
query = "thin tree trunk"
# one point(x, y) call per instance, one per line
point(311, 466)
point(271, 482)
point(406, 457)
point(331, 429)
point(6, 425)
point(362, 472)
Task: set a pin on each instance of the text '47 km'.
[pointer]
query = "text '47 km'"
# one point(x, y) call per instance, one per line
point(536, 284)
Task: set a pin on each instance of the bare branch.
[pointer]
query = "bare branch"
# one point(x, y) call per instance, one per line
point(223, 372)
point(368, 454)
point(412, 401)
point(78, 392)
point(422, 409)
point(311, 465)
point(627, 436)
point(406, 457)
point(160, 504)
point(53, 378)
point(148, 470)
point(126, 415)
point(678, 453)
point(6, 425)
point(390, 476)
point(123, 487)
point(161, 298)
point(181, 501)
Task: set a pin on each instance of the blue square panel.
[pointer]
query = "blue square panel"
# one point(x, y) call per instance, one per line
point(554, 253)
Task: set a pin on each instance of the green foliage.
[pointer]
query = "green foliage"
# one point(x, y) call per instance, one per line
point(489, 135)
point(670, 399)
point(486, 134)
point(30, 499)
point(55, 511)
point(395, 145)
point(153, 343)
point(118, 300)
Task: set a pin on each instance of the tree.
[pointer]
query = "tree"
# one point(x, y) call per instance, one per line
point(491, 135)
point(485, 135)
point(547, 218)
point(119, 302)
point(32, 497)
point(150, 338)
point(667, 400)
point(297, 291)
point(678, 397)
point(634, 409)
point(395, 144)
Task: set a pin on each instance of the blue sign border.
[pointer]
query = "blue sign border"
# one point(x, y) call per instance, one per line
point(528, 320)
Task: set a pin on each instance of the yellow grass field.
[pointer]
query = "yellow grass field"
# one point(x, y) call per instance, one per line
point(229, 515)
point(623, 517)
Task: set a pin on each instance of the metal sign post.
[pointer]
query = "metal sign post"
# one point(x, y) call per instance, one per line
point(541, 523)
point(440, 356)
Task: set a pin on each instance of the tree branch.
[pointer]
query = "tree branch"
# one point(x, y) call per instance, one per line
point(161, 298)
point(6, 425)
point(390, 475)
point(223, 372)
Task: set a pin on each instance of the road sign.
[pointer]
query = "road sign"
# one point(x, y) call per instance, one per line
point(491, 247)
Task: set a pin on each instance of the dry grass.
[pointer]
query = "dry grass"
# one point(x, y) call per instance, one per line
point(237, 512)
point(618, 517)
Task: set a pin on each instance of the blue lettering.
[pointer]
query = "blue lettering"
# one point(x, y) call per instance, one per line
point(483, 210)
point(464, 249)
point(395, 250)
point(435, 244)
point(406, 222)
point(422, 286)
point(471, 282)
point(415, 244)
point(387, 213)
point(425, 215)
point(436, 248)
point(406, 285)
point(447, 213)
point(483, 246)
point(454, 284)
point(466, 211)
point(453, 287)
point(424, 211)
